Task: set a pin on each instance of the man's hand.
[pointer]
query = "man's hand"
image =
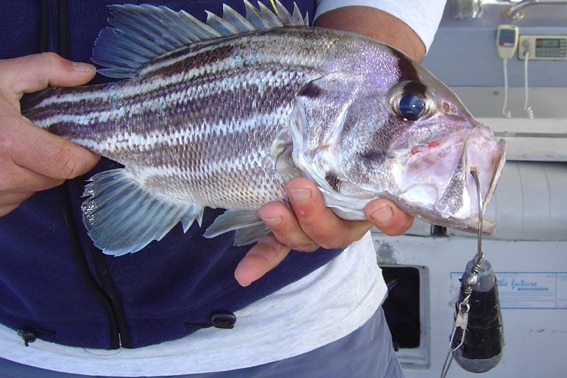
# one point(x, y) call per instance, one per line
point(32, 159)
point(311, 225)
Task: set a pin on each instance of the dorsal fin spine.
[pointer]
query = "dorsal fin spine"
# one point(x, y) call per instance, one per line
point(270, 15)
point(141, 33)
point(235, 18)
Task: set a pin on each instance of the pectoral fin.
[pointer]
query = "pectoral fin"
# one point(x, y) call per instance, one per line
point(247, 224)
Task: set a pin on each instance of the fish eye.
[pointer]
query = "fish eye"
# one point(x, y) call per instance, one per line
point(411, 100)
point(411, 106)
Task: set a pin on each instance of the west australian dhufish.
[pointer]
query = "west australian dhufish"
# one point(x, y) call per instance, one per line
point(223, 113)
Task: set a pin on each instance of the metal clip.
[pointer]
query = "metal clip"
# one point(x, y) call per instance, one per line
point(459, 331)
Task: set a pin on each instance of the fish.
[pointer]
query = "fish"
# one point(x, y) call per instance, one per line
point(222, 113)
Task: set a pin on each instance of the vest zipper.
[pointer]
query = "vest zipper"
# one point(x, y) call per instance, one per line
point(55, 37)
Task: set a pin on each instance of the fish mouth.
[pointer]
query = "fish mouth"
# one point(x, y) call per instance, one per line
point(486, 156)
point(439, 180)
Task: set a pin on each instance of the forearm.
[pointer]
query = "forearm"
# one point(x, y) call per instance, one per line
point(376, 24)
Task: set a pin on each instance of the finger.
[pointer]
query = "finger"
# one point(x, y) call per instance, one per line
point(8, 202)
point(16, 179)
point(388, 217)
point(45, 154)
point(319, 222)
point(260, 259)
point(35, 72)
point(284, 225)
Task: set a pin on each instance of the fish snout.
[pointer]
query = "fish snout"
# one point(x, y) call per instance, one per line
point(486, 155)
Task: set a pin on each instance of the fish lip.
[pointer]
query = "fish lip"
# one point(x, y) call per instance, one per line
point(498, 160)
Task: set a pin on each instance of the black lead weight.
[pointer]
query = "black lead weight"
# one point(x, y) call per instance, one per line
point(483, 339)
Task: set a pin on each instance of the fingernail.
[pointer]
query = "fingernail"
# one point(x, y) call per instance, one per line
point(242, 281)
point(82, 67)
point(382, 215)
point(300, 195)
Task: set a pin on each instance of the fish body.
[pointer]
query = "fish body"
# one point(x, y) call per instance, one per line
point(221, 114)
point(191, 117)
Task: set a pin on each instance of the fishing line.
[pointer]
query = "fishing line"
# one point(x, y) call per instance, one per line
point(477, 337)
point(527, 107)
point(507, 113)
point(273, 3)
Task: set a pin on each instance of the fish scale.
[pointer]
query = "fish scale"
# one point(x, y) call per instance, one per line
point(221, 114)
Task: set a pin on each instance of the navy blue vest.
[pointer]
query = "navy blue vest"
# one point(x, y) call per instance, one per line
point(55, 285)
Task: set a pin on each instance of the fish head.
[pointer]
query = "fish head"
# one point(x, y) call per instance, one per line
point(408, 139)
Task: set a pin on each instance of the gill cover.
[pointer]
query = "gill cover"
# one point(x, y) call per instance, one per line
point(320, 111)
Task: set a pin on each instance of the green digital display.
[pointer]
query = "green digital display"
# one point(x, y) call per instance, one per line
point(548, 43)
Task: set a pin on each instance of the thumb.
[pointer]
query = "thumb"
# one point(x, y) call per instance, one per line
point(35, 72)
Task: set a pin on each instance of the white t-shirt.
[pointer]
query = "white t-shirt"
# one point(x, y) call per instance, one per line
point(422, 16)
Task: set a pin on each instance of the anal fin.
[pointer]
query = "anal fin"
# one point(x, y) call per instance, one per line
point(121, 217)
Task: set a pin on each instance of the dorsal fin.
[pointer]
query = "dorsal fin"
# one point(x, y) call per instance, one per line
point(141, 33)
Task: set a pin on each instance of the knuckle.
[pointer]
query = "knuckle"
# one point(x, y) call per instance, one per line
point(351, 232)
point(6, 145)
point(296, 241)
point(307, 247)
point(72, 161)
point(333, 243)
point(48, 59)
point(271, 249)
point(59, 160)
point(69, 166)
